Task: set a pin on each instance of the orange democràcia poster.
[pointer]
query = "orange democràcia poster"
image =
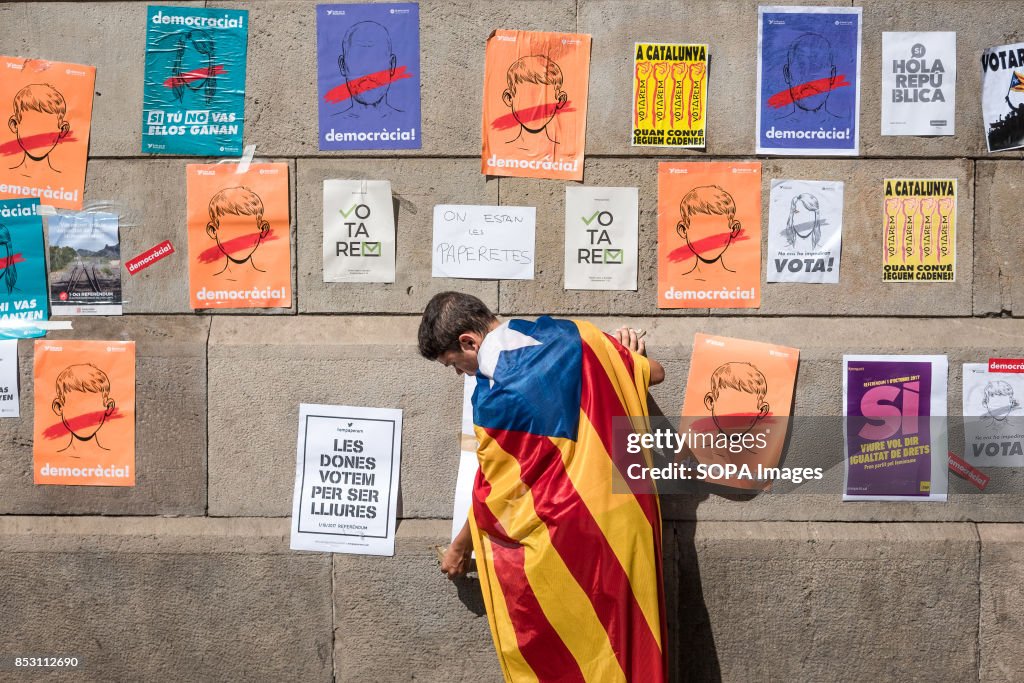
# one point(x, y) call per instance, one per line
point(239, 248)
point(739, 396)
point(48, 110)
point(84, 413)
point(535, 104)
point(709, 234)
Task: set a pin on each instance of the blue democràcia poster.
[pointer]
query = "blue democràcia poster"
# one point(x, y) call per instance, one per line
point(22, 268)
point(193, 102)
point(808, 85)
point(368, 76)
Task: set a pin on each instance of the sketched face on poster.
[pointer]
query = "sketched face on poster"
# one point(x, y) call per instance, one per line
point(38, 123)
point(367, 64)
point(535, 95)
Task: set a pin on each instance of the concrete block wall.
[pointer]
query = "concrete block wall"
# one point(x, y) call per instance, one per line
point(188, 575)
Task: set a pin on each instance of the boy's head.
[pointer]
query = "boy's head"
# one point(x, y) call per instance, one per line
point(451, 331)
point(534, 91)
point(366, 54)
point(83, 390)
point(999, 400)
point(810, 71)
point(38, 119)
point(736, 400)
point(236, 222)
point(707, 221)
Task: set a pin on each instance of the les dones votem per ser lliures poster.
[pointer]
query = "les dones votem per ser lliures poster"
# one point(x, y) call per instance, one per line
point(808, 82)
point(709, 234)
point(23, 297)
point(739, 396)
point(193, 101)
point(920, 230)
point(84, 433)
point(670, 95)
point(346, 479)
point(239, 246)
point(43, 147)
point(895, 448)
point(535, 104)
point(368, 76)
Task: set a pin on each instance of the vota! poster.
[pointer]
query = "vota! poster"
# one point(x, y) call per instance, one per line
point(368, 76)
point(193, 101)
point(895, 448)
point(808, 85)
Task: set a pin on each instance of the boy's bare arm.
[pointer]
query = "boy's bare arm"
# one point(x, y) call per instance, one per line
point(633, 340)
point(457, 556)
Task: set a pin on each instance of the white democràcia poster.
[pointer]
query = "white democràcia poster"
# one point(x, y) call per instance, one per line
point(601, 235)
point(918, 83)
point(484, 242)
point(359, 231)
point(993, 417)
point(346, 479)
point(9, 403)
point(805, 231)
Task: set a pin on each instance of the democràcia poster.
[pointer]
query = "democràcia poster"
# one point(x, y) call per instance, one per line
point(895, 427)
point(808, 82)
point(23, 296)
point(193, 100)
point(535, 104)
point(44, 146)
point(368, 76)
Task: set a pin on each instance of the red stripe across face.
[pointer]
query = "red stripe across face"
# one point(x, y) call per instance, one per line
point(586, 553)
point(365, 83)
point(86, 421)
point(13, 260)
point(194, 75)
point(808, 89)
point(686, 253)
point(232, 246)
point(39, 141)
point(538, 642)
point(541, 111)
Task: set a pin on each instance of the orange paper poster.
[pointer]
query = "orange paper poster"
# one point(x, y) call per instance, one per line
point(736, 411)
point(709, 234)
point(535, 104)
point(84, 413)
point(47, 107)
point(239, 248)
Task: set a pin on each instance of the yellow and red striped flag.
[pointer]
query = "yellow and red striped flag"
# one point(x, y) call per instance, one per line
point(570, 571)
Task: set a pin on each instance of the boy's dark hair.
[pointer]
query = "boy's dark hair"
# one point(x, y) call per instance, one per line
point(448, 315)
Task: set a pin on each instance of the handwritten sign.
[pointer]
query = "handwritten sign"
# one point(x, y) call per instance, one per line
point(484, 242)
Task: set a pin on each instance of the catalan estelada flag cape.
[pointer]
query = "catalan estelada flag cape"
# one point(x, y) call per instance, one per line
point(570, 571)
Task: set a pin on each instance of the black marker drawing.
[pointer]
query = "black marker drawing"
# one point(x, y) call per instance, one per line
point(10, 276)
point(194, 47)
point(736, 399)
point(367, 63)
point(535, 95)
point(83, 404)
point(237, 225)
point(707, 221)
point(804, 222)
point(810, 74)
point(38, 123)
point(999, 403)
